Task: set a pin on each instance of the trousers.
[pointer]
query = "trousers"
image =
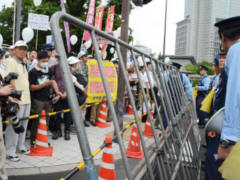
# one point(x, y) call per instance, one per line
point(16, 141)
point(37, 107)
point(3, 174)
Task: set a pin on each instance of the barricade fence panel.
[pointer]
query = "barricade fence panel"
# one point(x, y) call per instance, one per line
point(174, 153)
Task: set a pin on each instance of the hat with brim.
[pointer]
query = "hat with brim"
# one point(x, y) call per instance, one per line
point(20, 43)
point(72, 60)
point(202, 67)
point(216, 60)
point(177, 65)
point(229, 23)
point(48, 47)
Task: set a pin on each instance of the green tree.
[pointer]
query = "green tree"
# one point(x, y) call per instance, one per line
point(195, 68)
point(6, 25)
point(77, 8)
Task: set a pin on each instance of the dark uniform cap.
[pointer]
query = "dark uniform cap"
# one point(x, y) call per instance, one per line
point(223, 52)
point(177, 65)
point(203, 67)
point(229, 23)
point(48, 47)
point(216, 60)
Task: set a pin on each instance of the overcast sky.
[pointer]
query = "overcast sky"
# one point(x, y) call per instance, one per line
point(147, 23)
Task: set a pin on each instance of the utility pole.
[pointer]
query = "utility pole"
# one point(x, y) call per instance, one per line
point(18, 19)
point(121, 84)
point(165, 27)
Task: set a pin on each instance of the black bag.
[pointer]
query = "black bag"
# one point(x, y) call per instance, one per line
point(80, 95)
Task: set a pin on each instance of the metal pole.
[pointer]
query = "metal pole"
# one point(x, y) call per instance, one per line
point(36, 45)
point(121, 85)
point(14, 23)
point(72, 100)
point(111, 106)
point(19, 19)
point(165, 27)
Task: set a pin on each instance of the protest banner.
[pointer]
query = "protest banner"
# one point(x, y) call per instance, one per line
point(66, 26)
point(109, 26)
point(96, 91)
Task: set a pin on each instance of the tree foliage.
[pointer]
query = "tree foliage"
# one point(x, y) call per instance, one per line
point(77, 8)
point(195, 68)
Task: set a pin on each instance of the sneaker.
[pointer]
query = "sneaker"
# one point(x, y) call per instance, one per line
point(25, 152)
point(13, 158)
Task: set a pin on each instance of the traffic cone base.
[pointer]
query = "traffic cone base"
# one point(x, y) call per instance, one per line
point(134, 145)
point(136, 155)
point(101, 124)
point(44, 152)
point(41, 148)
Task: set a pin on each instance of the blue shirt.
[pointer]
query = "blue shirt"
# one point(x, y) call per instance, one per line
point(215, 81)
point(187, 85)
point(204, 83)
point(231, 122)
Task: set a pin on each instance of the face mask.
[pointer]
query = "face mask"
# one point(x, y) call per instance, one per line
point(44, 65)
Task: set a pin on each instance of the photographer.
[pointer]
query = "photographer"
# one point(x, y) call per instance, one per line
point(4, 91)
point(16, 64)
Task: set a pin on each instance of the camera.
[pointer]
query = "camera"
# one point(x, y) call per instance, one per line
point(9, 110)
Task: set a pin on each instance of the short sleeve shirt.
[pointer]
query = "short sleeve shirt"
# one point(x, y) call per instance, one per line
point(37, 77)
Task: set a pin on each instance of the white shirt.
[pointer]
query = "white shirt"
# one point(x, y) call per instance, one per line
point(143, 78)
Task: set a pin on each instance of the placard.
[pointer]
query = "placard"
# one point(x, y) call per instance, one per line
point(96, 91)
point(38, 21)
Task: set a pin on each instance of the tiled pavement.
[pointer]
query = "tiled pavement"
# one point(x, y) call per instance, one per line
point(66, 154)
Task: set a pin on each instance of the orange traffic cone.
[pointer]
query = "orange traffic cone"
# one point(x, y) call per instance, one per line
point(148, 129)
point(107, 170)
point(129, 109)
point(102, 116)
point(134, 145)
point(41, 148)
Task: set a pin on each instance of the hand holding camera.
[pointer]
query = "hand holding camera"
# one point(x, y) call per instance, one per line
point(9, 99)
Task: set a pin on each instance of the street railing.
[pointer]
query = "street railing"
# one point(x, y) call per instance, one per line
point(176, 151)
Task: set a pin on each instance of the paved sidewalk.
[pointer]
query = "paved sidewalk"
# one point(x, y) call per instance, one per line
point(66, 154)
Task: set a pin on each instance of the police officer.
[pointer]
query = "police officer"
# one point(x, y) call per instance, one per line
point(215, 68)
point(185, 81)
point(211, 168)
point(229, 32)
point(203, 89)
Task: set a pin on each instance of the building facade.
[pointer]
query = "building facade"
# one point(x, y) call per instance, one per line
point(196, 35)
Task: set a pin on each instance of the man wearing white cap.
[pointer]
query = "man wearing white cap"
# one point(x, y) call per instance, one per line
point(79, 82)
point(16, 64)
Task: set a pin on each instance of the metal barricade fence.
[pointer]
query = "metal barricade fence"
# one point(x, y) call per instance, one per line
point(175, 153)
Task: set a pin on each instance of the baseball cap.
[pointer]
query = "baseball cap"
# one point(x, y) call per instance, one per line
point(72, 60)
point(20, 43)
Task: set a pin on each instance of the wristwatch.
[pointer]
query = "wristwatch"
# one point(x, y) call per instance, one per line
point(226, 143)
